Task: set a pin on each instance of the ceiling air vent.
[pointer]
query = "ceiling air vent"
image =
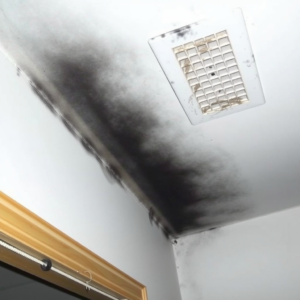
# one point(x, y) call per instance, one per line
point(211, 67)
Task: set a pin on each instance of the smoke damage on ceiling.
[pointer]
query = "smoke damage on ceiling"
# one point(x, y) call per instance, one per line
point(98, 92)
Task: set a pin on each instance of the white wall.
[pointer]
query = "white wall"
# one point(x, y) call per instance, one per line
point(257, 259)
point(45, 168)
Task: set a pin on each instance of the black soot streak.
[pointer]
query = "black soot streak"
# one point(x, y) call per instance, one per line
point(189, 196)
point(181, 32)
point(37, 90)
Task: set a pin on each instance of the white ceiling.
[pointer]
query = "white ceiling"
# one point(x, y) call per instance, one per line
point(252, 155)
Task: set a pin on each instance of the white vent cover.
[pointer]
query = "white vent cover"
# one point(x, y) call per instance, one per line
point(211, 67)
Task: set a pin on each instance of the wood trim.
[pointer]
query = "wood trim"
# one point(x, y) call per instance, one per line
point(22, 228)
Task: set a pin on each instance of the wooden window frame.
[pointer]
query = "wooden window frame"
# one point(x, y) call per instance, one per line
point(28, 232)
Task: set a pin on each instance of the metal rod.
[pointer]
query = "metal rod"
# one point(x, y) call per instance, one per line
point(86, 284)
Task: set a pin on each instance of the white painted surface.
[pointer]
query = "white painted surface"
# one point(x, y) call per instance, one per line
point(262, 144)
point(45, 168)
point(257, 259)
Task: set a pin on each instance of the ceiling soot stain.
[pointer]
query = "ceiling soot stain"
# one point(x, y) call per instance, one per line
point(191, 197)
point(193, 189)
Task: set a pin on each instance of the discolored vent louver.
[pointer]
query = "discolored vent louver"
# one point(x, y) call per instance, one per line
point(211, 67)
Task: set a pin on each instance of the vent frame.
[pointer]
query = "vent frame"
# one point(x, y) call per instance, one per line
point(164, 48)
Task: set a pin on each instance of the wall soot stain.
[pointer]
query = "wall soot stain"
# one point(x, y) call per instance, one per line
point(193, 192)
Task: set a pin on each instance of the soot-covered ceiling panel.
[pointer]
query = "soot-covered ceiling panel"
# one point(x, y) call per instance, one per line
point(95, 70)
